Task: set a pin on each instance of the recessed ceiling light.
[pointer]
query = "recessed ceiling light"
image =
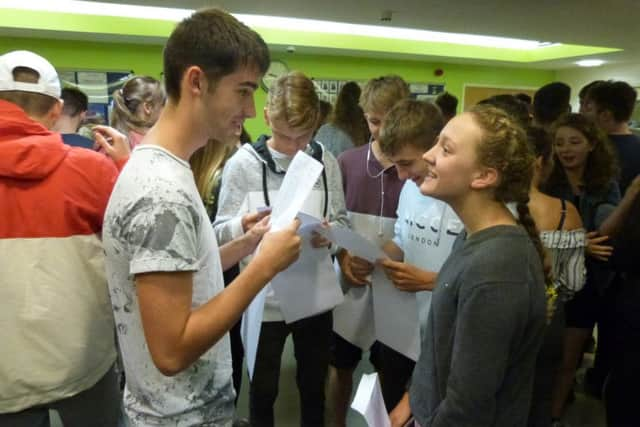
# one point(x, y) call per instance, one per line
point(275, 22)
point(590, 63)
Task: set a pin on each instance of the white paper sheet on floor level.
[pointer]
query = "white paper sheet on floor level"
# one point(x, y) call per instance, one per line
point(301, 176)
point(353, 320)
point(309, 286)
point(369, 402)
point(250, 329)
point(396, 316)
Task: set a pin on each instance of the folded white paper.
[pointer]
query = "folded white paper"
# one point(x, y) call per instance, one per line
point(369, 402)
point(396, 316)
point(301, 176)
point(356, 244)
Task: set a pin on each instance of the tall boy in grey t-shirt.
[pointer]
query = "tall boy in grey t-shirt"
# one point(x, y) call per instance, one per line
point(164, 266)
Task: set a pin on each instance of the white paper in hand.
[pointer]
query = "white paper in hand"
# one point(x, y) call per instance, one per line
point(301, 176)
point(308, 223)
point(396, 316)
point(369, 402)
point(356, 244)
point(250, 329)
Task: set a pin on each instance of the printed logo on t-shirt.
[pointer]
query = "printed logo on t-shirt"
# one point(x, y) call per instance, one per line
point(428, 230)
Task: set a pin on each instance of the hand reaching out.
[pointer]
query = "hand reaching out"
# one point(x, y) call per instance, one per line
point(401, 413)
point(354, 269)
point(255, 233)
point(318, 240)
point(597, 250)
point(114, 143)
point(251, 219)
point(281, 248)
point(408, 277)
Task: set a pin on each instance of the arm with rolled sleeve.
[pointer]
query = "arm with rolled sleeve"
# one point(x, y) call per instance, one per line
point(232, 202)
point(337, 211)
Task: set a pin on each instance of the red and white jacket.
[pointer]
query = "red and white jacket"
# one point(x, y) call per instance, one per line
point(56, 321)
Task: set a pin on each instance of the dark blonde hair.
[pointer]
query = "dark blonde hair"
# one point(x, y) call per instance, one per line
point(410, 122)
point(382, 93)
point(348, 115)
point(293, 99)
point(601, 167)
point(126, 101)
point(504, 147)
point(205, 163)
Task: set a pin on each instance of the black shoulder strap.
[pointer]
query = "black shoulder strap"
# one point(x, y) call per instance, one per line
point(263, 151)
point(563, 214)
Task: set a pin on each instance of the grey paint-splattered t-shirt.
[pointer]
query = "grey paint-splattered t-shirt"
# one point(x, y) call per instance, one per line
point(155, 221)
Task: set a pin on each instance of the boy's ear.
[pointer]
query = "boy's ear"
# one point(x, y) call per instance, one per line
point(147, 107)
point(194, 80)
point(51, 117)
point(485, 178)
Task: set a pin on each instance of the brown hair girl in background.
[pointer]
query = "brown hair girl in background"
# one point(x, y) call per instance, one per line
point(584, 173)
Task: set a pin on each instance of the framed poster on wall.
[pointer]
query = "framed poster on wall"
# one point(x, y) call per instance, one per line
point(99, 87)
point(426, 91)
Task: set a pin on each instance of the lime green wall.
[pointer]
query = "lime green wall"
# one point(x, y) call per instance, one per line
point(455, 75)
point(147, 59)
point(73, 54)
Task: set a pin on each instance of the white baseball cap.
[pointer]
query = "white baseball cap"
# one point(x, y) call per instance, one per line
point(48, 82)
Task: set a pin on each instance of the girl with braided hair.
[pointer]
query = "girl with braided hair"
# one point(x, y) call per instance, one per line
point(488, 310)
point(136, 107)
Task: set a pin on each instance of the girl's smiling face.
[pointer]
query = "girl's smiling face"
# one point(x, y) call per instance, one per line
point(453, 160)
point(571, 147)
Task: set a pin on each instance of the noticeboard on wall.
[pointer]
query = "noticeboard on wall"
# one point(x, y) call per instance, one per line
point(99, 87)
point(328, 89)
point(426, 91)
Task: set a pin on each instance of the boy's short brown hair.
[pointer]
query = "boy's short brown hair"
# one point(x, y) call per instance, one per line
point(293, 99)
point(382, 93)
point(214, 41)
point(410, 122)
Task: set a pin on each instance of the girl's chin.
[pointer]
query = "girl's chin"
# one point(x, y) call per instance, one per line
point(426, 187)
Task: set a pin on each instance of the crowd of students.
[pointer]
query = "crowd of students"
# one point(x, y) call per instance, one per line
point(510, 223)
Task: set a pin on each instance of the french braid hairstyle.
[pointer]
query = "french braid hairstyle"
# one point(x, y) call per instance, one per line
point(128, 99)
point(504, 148)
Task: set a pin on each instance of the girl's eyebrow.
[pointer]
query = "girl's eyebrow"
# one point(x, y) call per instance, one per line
point(443, 138)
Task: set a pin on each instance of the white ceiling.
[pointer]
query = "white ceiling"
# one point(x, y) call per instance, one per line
point(608, 23)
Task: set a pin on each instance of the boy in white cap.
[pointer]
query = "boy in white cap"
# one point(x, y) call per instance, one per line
point(56, 325)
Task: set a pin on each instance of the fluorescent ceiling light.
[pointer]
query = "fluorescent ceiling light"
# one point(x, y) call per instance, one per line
point(590, 63)
point(274, 22)
point(387, 32)
point(99, 9)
